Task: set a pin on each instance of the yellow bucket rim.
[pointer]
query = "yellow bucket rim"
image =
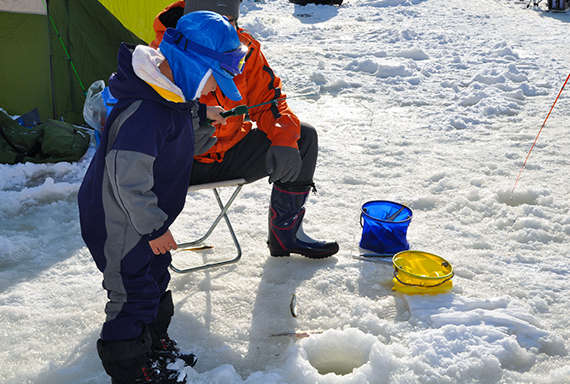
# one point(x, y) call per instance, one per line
point(438, 280)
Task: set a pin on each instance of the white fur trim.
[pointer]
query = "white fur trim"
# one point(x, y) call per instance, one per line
point(145, 64)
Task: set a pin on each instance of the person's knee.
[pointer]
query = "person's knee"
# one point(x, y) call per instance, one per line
point(309, 137)
point(308, 131)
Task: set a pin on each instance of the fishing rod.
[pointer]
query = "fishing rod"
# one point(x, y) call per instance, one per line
point(243, 109)
point(543, 124)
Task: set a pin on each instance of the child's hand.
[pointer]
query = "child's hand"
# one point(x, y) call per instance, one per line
point(163, 244)
point(213, 113)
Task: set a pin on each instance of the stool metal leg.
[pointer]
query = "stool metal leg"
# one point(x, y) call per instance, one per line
point(223, 214)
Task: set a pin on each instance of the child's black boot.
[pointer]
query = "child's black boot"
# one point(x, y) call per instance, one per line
point(128, 362)
point(164, 349)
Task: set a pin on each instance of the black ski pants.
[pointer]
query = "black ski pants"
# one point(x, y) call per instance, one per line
point(247, 160)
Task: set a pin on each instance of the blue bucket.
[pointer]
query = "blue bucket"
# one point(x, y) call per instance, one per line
point(384, 227)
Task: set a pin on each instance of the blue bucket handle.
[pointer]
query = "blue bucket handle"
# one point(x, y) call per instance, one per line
point(390, 218)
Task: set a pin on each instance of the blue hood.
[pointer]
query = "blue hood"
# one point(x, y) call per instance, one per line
point(212, 31)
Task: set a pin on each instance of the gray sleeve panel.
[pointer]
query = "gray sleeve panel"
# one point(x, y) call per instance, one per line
point(131, 179)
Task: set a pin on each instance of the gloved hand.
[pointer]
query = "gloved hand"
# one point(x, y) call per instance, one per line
point(203, 139)
point(283, 163)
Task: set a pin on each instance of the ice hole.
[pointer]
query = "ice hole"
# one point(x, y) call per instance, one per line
point(339, 352)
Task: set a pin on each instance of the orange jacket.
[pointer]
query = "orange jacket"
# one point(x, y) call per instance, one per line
point(256, 84)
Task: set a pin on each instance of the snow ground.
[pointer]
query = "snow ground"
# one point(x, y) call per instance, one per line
point(430, 103)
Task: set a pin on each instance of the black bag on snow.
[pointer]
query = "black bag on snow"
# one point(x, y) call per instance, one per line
point(50, 142)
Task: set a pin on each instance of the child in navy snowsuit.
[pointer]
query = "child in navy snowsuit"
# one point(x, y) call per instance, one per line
point(136, 185)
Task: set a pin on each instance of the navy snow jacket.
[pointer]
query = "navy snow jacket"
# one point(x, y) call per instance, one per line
point(136, 184)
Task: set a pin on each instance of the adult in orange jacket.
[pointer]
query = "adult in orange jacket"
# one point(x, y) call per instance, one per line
point(280, 146)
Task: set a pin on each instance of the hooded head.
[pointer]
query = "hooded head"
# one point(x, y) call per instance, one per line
point(223, 7)
point(202, 44)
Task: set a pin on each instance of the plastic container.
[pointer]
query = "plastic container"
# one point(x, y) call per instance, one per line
point(421, 272)
point(108, 99)
point(385, 227)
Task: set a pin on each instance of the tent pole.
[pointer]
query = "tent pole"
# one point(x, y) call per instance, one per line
point(50, 62)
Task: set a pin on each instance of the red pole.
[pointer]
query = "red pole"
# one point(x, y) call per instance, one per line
point(543, 124)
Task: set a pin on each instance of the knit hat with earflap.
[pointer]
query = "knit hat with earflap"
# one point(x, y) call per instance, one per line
point(190, 50)
point(223, 7)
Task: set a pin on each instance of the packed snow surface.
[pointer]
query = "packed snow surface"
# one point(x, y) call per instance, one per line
point(432, 103)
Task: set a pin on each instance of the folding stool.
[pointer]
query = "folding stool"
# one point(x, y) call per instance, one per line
point(238, 184)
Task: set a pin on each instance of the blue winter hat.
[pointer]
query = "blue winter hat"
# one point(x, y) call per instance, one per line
point(202, 41)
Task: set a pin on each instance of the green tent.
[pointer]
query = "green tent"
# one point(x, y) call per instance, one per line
point(52, 51)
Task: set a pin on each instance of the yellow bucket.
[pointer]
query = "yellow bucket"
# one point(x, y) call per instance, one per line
point(421, 272)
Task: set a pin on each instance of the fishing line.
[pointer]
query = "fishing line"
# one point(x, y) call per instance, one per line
point(543, 124)
point(64, 49)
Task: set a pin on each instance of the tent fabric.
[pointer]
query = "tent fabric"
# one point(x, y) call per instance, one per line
point(24, 6)
point(137, 15)
point(25, 82)
point(36, 70)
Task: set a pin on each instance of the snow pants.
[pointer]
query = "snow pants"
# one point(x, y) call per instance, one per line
point(246, 160)
point(134, 285)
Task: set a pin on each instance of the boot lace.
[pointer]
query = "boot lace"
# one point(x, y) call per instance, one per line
point(150, 373)
point(166, 352)
point(166, 344)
